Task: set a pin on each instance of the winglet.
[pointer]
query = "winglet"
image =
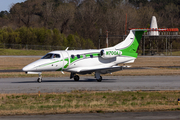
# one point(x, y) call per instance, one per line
point(67, 49)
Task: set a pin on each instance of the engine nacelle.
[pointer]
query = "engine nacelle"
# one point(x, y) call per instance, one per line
point(110, 53)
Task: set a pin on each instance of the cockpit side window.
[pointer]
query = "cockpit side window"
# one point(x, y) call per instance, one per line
point(47, 56)
point(56, 56)
point(50, 55)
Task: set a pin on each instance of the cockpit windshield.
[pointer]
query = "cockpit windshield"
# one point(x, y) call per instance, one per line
point(50, 55)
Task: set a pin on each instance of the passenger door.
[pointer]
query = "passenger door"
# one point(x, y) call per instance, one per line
point(66, 59)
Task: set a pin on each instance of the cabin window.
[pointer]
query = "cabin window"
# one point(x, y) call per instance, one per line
point(91, 56)
point(47, 56)
point(72, 56)
point(78, 56)
point(56, 56)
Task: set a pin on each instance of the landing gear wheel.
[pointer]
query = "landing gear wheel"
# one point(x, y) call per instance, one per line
point(76, 78)
point(39, 80)
point(100, 79)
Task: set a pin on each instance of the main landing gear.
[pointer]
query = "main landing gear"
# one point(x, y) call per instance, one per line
point(73, 75)
point(98, 77)
point(39, 80)
point(76, 77)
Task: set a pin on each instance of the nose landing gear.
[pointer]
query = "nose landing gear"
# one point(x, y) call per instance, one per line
point(39, 80)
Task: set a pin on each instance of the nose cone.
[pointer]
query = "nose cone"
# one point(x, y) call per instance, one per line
point(32, 67)
point(29, 68)
point(26, 68)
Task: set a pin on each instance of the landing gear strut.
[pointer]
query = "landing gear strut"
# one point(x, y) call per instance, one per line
point(73, 75)
point(98, 77)
point(39, 80)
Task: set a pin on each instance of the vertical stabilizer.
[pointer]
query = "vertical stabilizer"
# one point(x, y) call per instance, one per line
point(130, 45)
point(153, 26)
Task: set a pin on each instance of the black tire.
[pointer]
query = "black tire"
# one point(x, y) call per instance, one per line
point(100, 79)
point(76, 78)
point(39, 80)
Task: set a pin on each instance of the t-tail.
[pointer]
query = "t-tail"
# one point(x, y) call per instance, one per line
point(129, 46)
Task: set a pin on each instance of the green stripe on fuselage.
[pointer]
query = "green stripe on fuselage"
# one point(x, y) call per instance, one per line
point(59, 69)
point(67, 62)
point(49, 63)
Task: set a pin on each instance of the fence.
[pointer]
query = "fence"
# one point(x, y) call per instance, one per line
point(35, 47)
point(150, 45)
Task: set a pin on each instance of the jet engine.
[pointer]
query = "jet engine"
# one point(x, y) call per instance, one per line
point(110, 53)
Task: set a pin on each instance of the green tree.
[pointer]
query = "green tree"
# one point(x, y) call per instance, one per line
point(71, 40)
point(57, 38)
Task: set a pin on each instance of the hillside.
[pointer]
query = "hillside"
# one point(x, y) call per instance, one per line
point(87, 17)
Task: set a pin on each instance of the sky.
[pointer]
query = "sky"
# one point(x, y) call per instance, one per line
point(6, 4)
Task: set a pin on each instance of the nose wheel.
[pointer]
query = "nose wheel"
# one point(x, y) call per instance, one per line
point(98, 76)
point(39, 80)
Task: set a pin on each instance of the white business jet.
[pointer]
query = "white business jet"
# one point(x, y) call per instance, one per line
point(99, 61)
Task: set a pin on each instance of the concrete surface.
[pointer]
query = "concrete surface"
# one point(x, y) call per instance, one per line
point(163, 115)
point(114, 83)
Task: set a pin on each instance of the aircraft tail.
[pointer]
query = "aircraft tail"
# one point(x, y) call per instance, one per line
point(130, 45)
point(153, 26)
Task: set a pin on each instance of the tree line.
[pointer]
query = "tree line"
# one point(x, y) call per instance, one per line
point(43, 36)
point(87, 17)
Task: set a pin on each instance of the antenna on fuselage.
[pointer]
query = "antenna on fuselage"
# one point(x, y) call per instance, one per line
point(67, 49)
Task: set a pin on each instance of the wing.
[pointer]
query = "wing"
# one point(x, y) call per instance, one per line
point(102, 70)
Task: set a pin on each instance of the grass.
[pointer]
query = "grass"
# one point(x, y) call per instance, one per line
point(15, 62)
point(156, 61)
point(20, 62)
point(176, 53)
point(158, 65)
point(17, 52)
point(23, 75)
point(21, 52)
point(91, 101)
point(88, 102)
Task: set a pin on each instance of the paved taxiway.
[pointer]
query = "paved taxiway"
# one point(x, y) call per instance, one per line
point(29, 85)
point(64, 84)
point(164, 115)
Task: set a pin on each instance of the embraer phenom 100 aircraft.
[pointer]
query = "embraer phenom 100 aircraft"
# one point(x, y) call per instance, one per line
point(99, 61)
